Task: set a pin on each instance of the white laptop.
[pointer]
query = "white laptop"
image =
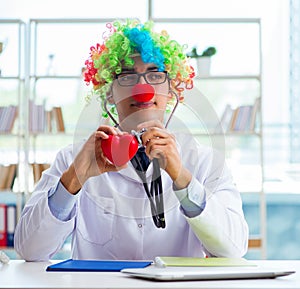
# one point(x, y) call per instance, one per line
point(204, 273)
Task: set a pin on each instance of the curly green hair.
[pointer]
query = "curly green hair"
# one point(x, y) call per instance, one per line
point(125, 38)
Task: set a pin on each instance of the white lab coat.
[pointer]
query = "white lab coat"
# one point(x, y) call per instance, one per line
point(111, 218)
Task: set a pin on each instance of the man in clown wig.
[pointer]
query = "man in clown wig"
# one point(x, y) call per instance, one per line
point(135, 189)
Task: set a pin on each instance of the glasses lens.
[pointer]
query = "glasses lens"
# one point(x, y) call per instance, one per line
point(151, 77)
point(127, 79)
point(155, 77)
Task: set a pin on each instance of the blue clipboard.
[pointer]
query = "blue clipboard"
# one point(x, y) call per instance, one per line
point(96, 265)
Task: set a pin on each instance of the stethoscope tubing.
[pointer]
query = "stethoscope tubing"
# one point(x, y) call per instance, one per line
point(155, 195)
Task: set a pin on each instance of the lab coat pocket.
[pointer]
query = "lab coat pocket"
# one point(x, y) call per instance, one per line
point(99, 228)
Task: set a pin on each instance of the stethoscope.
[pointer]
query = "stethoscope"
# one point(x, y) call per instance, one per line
point(155, 193)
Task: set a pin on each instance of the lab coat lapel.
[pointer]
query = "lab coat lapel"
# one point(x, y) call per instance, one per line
point(130, 173)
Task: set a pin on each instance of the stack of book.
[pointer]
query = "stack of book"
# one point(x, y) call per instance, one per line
point(240, 119)
point(8, 221)
point(7, 176)
point(42, 120)
point(8, 115)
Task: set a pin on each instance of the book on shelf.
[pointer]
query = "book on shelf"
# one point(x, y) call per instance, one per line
point(42, 120)
point(8, 222)
point(49, 121)
point(11, 219)
point(7, 176)
point(38, 169)
point(240, 119)
point(243, 122)
point(225, 120)
point(58, 118)
point(8, 115)
point(3, 225)
point(254, 114)
point(37, 117)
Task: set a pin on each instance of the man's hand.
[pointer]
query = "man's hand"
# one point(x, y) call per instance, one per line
point(161, 144)
point(90, 161)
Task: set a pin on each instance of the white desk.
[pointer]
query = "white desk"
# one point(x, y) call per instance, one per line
point(20, 274)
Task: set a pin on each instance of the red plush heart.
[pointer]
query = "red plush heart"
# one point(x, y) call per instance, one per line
point(143, 92)
point(119, 149)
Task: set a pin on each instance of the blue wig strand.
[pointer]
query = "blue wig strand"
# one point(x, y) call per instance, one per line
point(142, 42)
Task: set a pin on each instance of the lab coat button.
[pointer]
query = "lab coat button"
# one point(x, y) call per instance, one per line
point(140, 225)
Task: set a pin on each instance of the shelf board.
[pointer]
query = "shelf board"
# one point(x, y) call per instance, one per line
point(10, 134)
point(228, 134)
point(11, 21)
point(6, 191)
point(37, 77)
point(228, 77)
point(51, 134)
point(207, 20)
point(71, 20)
point(198, 78)
point(12, 77)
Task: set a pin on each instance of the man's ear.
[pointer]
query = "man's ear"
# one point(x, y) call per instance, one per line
point(171, 94)
point(110, 99)
point(109, 96)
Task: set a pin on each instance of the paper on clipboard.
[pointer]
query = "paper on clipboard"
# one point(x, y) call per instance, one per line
point(165, 261)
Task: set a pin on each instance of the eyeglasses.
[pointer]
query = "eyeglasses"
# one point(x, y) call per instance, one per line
point(151, 77)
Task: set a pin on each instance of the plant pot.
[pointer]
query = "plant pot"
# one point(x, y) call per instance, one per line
point(203, 66)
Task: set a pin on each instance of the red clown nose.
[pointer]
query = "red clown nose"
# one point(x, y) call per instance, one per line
point(142, 92)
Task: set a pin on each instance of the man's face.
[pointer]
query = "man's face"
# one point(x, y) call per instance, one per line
point(132, 112)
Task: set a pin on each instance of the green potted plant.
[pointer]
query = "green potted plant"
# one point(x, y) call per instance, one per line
point(203, 60)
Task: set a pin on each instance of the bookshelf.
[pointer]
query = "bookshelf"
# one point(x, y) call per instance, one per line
point(244, 154)
point(56, 90)
point(12, 94)
point(224, 110)
point(49, 91)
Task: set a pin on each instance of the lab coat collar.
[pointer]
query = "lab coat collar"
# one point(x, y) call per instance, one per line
point(130, 172)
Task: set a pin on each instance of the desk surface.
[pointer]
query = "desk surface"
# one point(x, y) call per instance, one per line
point(20, 274)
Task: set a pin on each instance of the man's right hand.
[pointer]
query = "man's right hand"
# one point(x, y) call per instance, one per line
point(90, 161)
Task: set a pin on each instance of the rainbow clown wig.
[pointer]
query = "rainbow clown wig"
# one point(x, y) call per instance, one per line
point(124, 39)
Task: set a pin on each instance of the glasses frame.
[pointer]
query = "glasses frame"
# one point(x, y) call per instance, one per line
point(139, 77)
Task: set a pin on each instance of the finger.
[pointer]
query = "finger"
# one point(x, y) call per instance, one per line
point(158, 153)
point(155, 145)
point(112, 168)
point(154, 134)
point(101, 135)
point(104, 130)
point(157, 142)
